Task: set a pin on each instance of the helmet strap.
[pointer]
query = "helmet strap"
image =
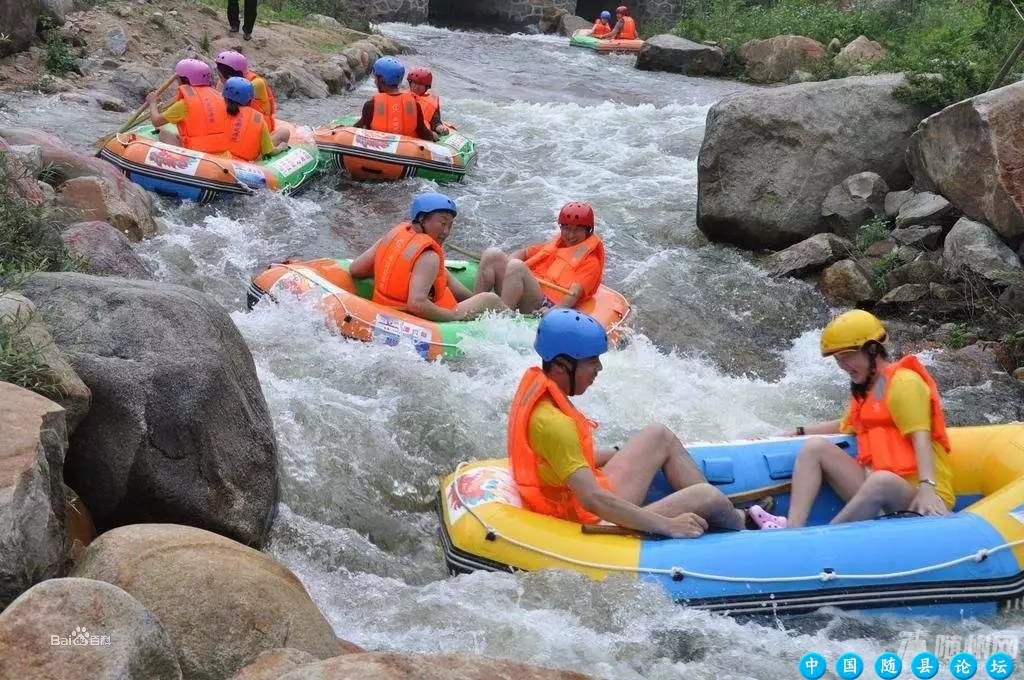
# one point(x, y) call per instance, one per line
point(873, 350)
point(569, 364)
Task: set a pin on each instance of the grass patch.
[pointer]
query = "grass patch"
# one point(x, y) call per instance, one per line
point(872, 232)
point(950, 49)
point(22, 361)
point(58, 58)
point(958, 336)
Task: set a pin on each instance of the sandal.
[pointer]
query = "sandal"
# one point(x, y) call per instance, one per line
point(767, 504)
point(764, 519)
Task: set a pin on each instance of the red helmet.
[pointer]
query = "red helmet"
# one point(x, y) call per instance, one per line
point(622, 9)
point(421, 76)
point(576, 214)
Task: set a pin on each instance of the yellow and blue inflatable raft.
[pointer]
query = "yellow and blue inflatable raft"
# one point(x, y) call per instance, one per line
point(967, 564)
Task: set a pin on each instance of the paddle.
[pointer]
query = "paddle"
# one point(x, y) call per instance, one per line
point(138, 115)
point(473, 255)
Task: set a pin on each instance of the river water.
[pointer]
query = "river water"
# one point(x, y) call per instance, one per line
point(719, 351)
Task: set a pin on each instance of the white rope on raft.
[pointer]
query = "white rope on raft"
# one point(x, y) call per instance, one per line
point(678, 573)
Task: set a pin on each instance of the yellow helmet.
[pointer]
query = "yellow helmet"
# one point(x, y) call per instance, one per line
point(851, 330)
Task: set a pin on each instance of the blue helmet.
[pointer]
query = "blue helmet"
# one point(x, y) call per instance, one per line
point(606, 15)
point(431, 202)
point(390, 70)
point(570, 332)
point(238, 90)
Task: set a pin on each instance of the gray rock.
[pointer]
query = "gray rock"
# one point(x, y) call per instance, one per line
point(678, 55)
point(975, 247)
point(908, 292)
point(116, 42)
point(854, 202)
point(25, 331)
point(808, 138)
point(294, 78)
point(928, 238)
point(273, 663)
point(894, 201)
point(104, 250)
point(178, 429)
point(570, 23)
point(1013, 297)
point(101, 632)
point(809, 256)
point(32, 503)
point(975, 388)
point(847, 283)
point(970, 153)
point(18, 20)
point(324, 21)
point(920, 271)
point(777, 59)
point(925, 208)
point(56, 10)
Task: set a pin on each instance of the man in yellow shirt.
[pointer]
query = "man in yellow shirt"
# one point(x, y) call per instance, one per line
point(902, 445)
point(559, 471)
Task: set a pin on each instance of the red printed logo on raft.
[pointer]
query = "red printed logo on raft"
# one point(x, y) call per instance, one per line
point(375, 141)
point(483, 485)
point(169, 160)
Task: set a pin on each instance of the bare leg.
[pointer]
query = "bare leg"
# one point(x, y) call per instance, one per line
point(168, 137)
point(520, 289)
point(280, 136)
point(474, 306)
point(491, 273)
point(882, 491)
point(820, 457)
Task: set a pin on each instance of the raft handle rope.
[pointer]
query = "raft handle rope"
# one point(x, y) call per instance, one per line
point(678, 573)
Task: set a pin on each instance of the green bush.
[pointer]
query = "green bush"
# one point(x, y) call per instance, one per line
point(872, 232)
point(950, 49)
point(59, 59)
point(29, 237)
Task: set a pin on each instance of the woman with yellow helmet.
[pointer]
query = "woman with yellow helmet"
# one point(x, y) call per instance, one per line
point(895, 413)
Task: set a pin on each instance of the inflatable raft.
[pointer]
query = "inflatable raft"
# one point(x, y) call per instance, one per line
point(198, 176)
point(346, 304)
point(968, 564)
point(582, 38)
point(371, 155)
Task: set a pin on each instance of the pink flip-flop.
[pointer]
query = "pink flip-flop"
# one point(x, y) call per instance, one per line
point(764, 519)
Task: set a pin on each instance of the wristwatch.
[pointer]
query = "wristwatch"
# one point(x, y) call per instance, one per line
point(929, 482)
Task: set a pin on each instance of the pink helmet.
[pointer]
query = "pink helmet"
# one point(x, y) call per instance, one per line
point(197, 72)
point(233, 60)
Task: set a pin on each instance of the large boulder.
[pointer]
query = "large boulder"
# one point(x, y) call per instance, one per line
point(295, 78)
point(273, 663)
point(975, 247)
point(100, 198)
point(62, 161)
point(970, 153)
point(178, 430)
point(777, 59)
point(847, 283)
point(221, 602)
point(394, 666)
point(24, 332)
point(770, 157)
point(32, 502)
point(104, 250)
point(80, 629)
point(668, 52)
point(18, 19)
point(56, 10)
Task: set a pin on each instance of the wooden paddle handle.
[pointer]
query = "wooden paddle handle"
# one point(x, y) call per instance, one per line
point(145, 105)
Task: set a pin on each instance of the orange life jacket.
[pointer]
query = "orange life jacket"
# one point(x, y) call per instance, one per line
point(395, 113)
point(601, 27)
point(245, 133)
point(628, 31)
point(205, 128)
point(252, 77)
point(558, 264)
point(880, 444)
point(429, 104)
point(392, 268)
point(557, 501)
